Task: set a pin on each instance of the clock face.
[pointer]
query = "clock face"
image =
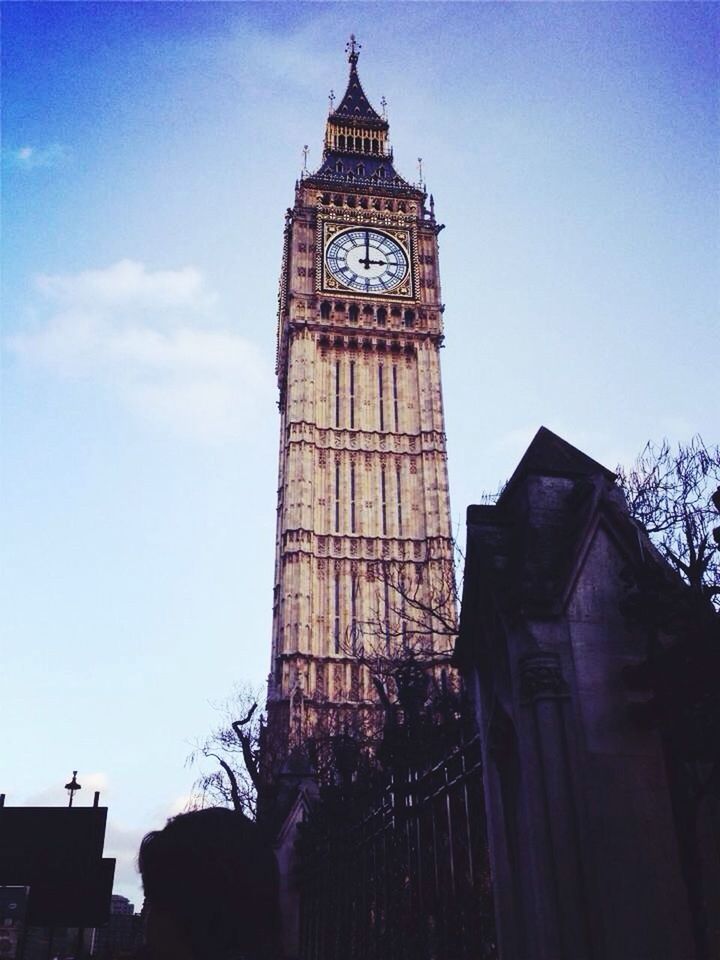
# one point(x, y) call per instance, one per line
point(366, 260)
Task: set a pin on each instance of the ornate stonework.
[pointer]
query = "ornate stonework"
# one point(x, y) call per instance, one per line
point(362, 466)
point(541, 677)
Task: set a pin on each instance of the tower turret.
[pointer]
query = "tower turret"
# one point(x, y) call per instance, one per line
point(356, 146)
point(355, 127)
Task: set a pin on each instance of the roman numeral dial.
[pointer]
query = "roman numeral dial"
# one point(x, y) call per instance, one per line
point(366, 260)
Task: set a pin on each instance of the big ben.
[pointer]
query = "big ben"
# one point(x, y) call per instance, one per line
point(362, 485)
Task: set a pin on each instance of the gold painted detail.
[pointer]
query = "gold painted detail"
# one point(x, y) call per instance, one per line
point(352, 136)
point(403, 235)
point(347, 203)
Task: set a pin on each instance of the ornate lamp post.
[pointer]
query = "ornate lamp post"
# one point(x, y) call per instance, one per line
point(72, 786)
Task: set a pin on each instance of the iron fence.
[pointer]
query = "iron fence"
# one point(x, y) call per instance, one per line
point(404, 876)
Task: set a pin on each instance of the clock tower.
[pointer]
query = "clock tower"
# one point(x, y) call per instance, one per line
point(363, 502)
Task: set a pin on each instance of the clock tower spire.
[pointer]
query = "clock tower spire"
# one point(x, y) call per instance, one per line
point(356, 130)
point(363, 491)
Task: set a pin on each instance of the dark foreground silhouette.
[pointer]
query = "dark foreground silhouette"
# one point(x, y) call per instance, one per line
point(210, 889)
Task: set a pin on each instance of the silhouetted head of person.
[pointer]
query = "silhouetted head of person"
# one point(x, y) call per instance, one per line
point(210, 889)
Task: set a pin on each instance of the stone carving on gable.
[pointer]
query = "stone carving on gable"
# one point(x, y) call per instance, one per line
point(541, 677)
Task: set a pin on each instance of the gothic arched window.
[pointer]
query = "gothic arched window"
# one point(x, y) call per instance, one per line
point(325, 310)
point(353, 312)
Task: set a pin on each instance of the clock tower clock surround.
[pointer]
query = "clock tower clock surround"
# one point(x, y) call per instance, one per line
point(362, 487)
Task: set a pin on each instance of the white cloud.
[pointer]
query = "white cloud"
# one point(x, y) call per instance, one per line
point(29, 157)
point(128, 284)
point(157, 340)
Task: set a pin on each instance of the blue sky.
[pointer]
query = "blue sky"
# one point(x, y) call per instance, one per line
point(149, 152)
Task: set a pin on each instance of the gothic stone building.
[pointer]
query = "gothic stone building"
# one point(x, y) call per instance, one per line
point(588, 856)
point(362, 488)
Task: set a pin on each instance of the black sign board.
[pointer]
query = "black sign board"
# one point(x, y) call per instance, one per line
point(57, 853)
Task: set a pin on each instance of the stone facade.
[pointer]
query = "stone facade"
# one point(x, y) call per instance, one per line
point(362, 485)
point(584, 849)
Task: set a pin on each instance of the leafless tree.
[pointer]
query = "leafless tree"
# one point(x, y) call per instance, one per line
point(411, 628)
point(669, 491)
point(234, 746)
point(410, 633)
point(673, 493)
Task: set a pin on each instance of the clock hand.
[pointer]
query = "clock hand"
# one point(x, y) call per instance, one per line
point(366, 261)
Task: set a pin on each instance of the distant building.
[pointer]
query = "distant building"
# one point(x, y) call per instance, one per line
point(13, 904)
point(121, 906)
point(122, 935)
point(588, 850)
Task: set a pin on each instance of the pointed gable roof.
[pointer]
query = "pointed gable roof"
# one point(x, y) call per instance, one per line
point(551, 456)
point(355, 105)
point(356, 150)
point(529, 542)
point(525, 554)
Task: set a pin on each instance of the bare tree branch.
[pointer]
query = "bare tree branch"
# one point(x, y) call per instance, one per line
point(669, 491)
point(413, 624)
point(234, 745)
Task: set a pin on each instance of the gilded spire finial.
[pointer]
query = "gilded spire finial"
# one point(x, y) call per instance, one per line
point(383, 104)
point(353, 48)
point(331, 98)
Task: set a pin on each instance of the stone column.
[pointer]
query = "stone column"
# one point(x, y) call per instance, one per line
point(544, 691)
